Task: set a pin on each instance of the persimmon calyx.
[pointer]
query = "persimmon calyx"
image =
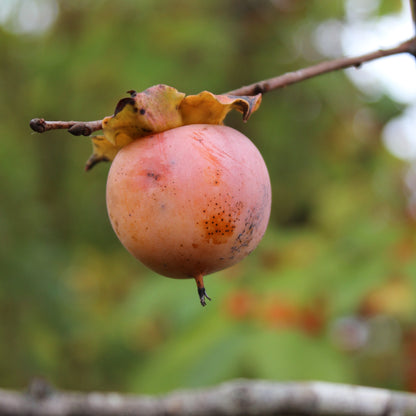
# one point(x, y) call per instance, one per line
point(161, 108)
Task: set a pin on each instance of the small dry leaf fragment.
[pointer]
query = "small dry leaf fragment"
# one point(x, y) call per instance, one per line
point(161, 108)
point(103, 151)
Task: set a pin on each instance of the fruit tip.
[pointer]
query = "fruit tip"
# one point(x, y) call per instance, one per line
point(202, 296)
point(202, 293)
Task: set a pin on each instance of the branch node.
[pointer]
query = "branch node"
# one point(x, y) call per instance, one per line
point(38, 125)
point(259, 89)
point(80, 129)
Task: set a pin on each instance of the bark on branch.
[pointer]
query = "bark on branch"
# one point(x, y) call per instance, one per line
point(240, 397)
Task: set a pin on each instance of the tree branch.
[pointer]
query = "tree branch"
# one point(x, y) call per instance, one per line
point(240, 397)
point(322, 68)
point(86, 128)
point(77, 128)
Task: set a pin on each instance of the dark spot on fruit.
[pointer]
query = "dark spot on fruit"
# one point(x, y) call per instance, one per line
point(153, 175)
point(146, 130)
point(142, 111)
point(195, 245)
point(245, 237)
point(219, 225)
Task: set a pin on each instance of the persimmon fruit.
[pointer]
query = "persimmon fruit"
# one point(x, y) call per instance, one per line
point(189, 201)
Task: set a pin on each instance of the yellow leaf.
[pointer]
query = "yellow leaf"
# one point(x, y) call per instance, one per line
point(103, 151)
point(207, 108)
point(161, 108)
point(148, 112)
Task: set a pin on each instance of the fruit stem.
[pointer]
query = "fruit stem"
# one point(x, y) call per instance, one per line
point(199, 278)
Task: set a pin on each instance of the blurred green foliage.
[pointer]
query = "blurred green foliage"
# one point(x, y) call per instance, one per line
point(76, 308)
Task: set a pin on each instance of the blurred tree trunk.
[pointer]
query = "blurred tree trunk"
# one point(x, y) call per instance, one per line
point(240, 397)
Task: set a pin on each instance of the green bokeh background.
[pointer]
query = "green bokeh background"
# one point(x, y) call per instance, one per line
point(327, 295)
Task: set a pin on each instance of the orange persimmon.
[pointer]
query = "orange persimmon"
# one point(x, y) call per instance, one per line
point(189, 201)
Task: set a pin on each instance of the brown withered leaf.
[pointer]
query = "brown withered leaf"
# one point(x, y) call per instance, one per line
point(161, 108)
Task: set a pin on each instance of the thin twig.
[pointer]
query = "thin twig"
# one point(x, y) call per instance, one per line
point(77, 128)
point(322, 68)
point(235, 398)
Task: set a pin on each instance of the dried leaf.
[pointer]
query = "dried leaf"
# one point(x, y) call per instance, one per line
point(151, 111)
point(207, 108)
point(161, 108)
point(103, 151)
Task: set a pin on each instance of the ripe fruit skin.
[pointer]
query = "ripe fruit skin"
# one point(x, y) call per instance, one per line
point(189, 201)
